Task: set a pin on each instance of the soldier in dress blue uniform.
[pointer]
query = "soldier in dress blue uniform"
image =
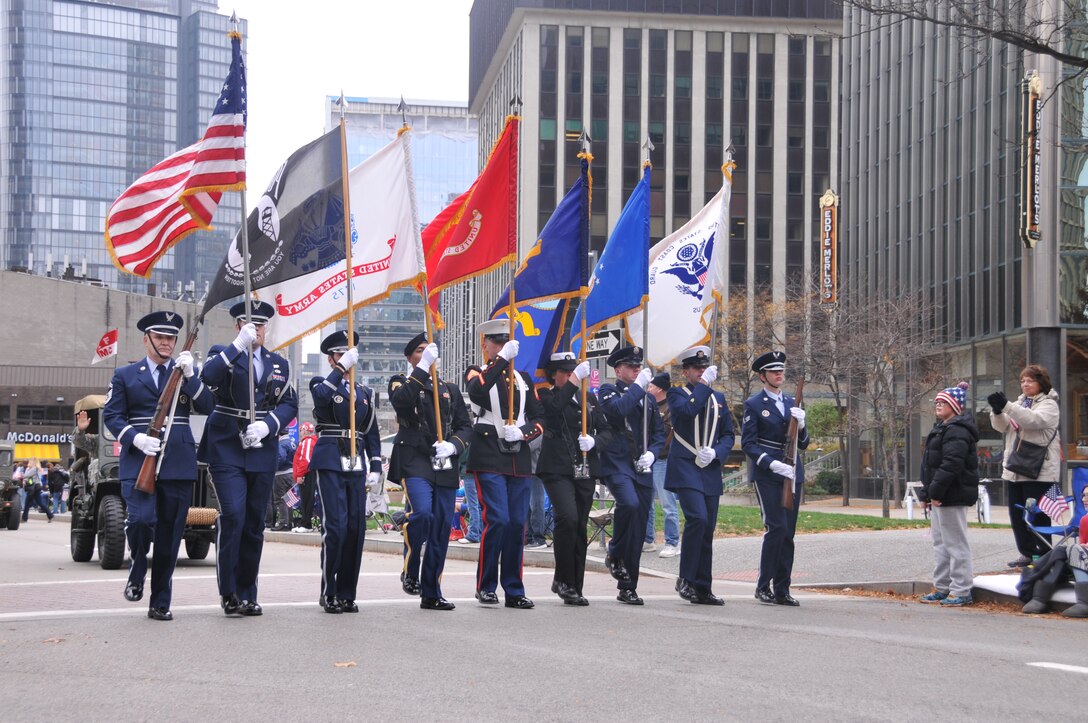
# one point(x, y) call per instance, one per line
point(431, 492)
point(627, 465)
point(767, 416)
point(569, 466)
point(241, 455)
point(341, 480)
point(499, 458)
point(702, 439)
point(157, 518)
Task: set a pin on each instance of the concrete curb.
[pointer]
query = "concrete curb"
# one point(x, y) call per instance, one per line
point(915, 588)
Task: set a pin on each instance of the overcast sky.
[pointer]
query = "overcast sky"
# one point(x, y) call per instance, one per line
point(300, 52)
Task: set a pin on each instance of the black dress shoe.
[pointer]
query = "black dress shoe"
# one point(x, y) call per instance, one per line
point(231, 604)
point(521, 603)
point(133, 592)
point(330, 605)
point(565, 591)
point(687, 592)
point(765, 596)
point(617, 570)
point(555, 586)
point(786, 600)
point(706, 598)
point(579, 601)
point(251, 609)
point(630, 597)
point(409, 584)
point(487, 598)
point(348, 606)
point(435, 603)
point(160, 614)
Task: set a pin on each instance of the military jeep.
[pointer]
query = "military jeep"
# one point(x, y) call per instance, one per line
point(10, 507)
point(96, 504)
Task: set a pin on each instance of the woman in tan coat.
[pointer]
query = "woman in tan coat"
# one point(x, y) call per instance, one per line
point(1035, 417)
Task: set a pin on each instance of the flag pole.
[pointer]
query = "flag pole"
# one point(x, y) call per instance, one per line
point(649, 147)
point(588, 156)
point(404, 128)
point(722, 237)
point(515, 106)
point(347, 259)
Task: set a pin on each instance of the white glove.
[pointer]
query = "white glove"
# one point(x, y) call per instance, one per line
point(349, 358)
point(705, 456)
point(582, 371)
point(644, 377)
point(510, 350)
point(444, 449)
point(257, 431)
point(783, 469)
point(430, 356)
point(586, 443)
point(512, 433)
point(148, 445)
point(646, 460)
point(798, 414)
point(710, 374)
point(185, 364)
point(246, 336)
point(372, 481)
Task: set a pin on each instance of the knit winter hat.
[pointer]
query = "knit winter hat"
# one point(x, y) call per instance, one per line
point(955, 396)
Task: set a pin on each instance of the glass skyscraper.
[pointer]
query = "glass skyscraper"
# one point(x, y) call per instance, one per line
point(94, 94)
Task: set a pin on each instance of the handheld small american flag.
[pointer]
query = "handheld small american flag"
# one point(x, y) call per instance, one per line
point(1053, 503)
point(291, 497)
point(181, 194)
point(107, 346)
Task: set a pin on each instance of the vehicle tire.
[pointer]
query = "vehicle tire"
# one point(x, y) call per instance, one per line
point(82, 542)
point(15, 514)
point(111, 533)
point(197, 548)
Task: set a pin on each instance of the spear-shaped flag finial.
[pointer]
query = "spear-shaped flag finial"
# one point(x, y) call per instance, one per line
point(515, 105)
point(403, 108)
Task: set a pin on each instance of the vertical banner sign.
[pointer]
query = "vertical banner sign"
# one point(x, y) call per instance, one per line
point(1031, 145)
point(829, 243)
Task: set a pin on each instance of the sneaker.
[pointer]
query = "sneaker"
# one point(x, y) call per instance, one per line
point(935, 596)
point(1022, 561)
point(957, 600)
point(300, 528)
point(669, 551)
point(536, 545)
point(649, 547)
point(468, 541)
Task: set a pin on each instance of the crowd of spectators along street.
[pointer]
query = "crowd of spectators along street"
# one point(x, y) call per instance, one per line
point(43, 488)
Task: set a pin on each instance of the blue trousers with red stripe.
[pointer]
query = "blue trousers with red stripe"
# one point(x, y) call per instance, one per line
point(430, 514)
point(504, 504)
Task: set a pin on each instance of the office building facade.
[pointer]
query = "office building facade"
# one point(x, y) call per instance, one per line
point(95, 93)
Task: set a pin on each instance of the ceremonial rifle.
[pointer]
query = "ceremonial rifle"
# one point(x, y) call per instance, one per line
point(790, 454)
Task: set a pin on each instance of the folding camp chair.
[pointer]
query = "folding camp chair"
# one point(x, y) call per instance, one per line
point(377, 503)
point(601, 516)
point(1075, 502)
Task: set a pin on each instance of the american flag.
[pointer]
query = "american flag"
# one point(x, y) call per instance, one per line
point(180, 194)
point(291, 497)
point(1053, 503)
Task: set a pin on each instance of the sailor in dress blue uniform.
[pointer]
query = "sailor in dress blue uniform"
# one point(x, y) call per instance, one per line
point(131, 401)
point(767, 416)
point(242, 471)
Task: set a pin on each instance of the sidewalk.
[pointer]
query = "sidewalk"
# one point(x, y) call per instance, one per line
point(999, 515)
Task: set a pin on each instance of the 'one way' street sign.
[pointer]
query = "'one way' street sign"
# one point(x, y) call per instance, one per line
point(603, 343)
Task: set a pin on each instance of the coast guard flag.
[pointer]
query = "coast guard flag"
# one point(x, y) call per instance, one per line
point(619, 282)
point(551, 274)
point(181, 193)
point(107, 346)
point(686, 278)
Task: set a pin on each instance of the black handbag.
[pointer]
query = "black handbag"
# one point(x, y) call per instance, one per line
point(1026, 458)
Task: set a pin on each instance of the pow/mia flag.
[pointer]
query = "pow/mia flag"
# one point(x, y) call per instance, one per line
point(297, 226)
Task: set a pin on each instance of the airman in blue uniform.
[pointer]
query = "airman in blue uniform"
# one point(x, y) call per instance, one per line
point(702, 439)
point(241, 455)
point(429, 469)
point(766, 420)
point(341, 479)
point(131, 401)
point(627, 464)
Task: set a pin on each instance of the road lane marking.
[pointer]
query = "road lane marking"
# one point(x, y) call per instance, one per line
point(1061, 666)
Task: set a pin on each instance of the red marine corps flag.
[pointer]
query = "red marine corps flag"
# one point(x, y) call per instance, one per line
point(107, 347)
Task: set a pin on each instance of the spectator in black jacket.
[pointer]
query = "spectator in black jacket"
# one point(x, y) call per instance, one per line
point(56, 478)
point(950, 486)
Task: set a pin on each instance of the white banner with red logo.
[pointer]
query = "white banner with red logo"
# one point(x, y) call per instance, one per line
point(386, 251)
point(107, 346)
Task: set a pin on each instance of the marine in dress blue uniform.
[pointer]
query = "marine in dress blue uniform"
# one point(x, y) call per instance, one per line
point(157, 518)
point(569, 467)
point(431, 492)
point(499, 458)
point(703, 436)
point(627, 464)
point(342, 480)
point(766, 420)
point(241, 471)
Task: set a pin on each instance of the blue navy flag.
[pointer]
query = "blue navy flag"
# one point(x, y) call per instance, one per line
point(619, 283)
point(551, 274)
